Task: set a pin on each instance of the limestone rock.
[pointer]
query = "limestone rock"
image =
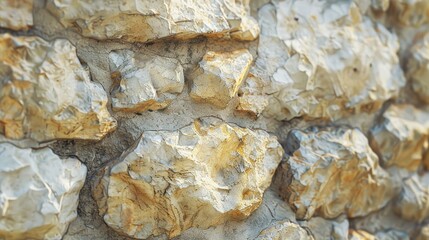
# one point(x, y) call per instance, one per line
point(16, 14)
point(413, 203)
point(38, 193)
point(401, 137)
point(199, 176)
point(360, 235)
point(332, 171)
point(219, 75)
point(46, 94)
point(423, 233)
point(323, 60)
point(321, 229)
point(418, 68)
point(144, 82)
point(284, 230)
point(408, 13)
point(142, 21)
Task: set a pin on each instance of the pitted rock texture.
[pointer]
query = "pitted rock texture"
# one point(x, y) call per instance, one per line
point(148, 20)
point(199, 176)
point(284, 230)
point(418, 67)
point(16, 14)
point(401, 137)
point(38, 192)
point(144, 82)
point(46, 94)
point(219, 75)
point(322, 59)
point(332, 171)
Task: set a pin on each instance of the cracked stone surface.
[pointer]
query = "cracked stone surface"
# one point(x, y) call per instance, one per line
point(144, 82)
point(199, 176)
point(284, 230)
point(38, 192)
point(332, 171)
point(16, 14)
point(149, 20)
point(219, 75)
point(46, 94)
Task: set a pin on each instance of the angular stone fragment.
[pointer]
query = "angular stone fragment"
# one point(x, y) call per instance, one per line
point(401, 137)
point(418, 68)
point(46, 94)
point(360, 235)
point(144, 82)
point(16, 14)
point(199, 176)
point(219, 75)
point(332, 171)
point(147, 20)
point(321, 229)
point(413, 203)
point(284, 230)
point(38, 192)
point(322, 60)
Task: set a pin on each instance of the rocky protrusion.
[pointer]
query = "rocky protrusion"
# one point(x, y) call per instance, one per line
point(284, 230)
point(199, 176)
point(332, 171)
point(143, 82)
point(46, 94)
point(418, 68)
point(16, 14)
point(401, 137)
point(38, 192)
point(219, 75)
point(143, 21)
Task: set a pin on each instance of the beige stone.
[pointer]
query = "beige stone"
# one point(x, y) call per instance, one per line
point(144, 82)
point(46, 94)
point(423, 233)
point(332, 171)
point(219, 75)
point(284, 230)
point(401, 136)
point(16, 14)
point(199, 176)
point(38, 192)
point(360, 235)
point(147, 20)
point(408, 13)
point(418, 68)
point(321, 229)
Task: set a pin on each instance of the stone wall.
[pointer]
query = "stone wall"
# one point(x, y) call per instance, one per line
point(214, 119)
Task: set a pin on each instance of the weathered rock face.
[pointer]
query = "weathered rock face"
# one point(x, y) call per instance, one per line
point(38, 193)
point(418, 68)
point(332, 171)
point(322, 60)
point(408, 13)
point(16, 14)
point(46, 94)
point(142, 21)
point(219, 75)
point(336, 229)
point(413, 203)
point(199, 176)
point(144, 82)
point(401, 137)
point(284, 230)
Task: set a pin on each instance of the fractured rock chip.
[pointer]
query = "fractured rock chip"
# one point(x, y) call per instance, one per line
point(418, 68)
point(38, 192)
point(321, 59)
point(147, 20)
point(321, 229)
point(219, 75)
point(332, 171)
point(284, 230)
point(199, 176)
point(401, 137)
point(46, 94)
point(144, 82)
point(16, 14)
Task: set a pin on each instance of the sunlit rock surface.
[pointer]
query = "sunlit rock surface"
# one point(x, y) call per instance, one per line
point(38, 192)
point(321, 229)
point(199, 176)
point(144, 82)
point(418, 67)
point(401, 136)
point(46, 94)
point(16, 14)
point(284, 230)
point(219, 75)
point(322, 59)
point(147, 20)
point(332, 171)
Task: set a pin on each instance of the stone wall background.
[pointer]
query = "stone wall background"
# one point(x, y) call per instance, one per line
point(340, 84)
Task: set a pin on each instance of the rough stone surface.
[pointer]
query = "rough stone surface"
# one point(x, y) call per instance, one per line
point(148, 20)
point(284, 230)
point(418, 67)
point(144, 82)
point(401, 137)
point(219, 75)
point(16, 14)
point(199, 176)
point(46, 94)
point(38, 192)
point(320, 228)
point(332, 171)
